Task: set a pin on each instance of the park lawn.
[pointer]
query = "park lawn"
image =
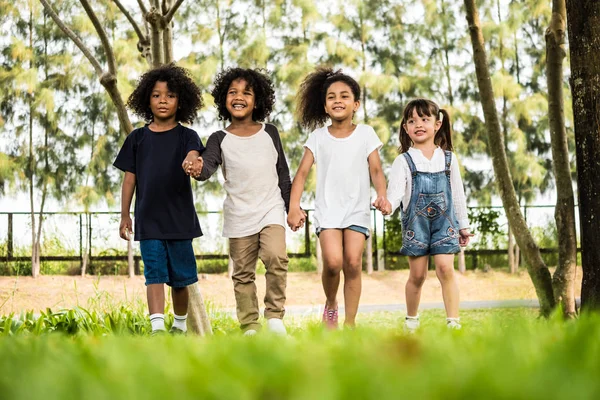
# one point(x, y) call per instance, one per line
point(499, 354)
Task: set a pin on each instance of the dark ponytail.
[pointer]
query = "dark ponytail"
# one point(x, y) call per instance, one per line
point(443, 137)
point(310, 110)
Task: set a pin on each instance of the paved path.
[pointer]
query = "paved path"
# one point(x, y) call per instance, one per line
point(369, 308)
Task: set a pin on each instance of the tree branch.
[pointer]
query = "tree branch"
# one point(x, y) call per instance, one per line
point(136, 27)
point(86, 52)
point(110, 57)
point(143, 7)
point(172, 11)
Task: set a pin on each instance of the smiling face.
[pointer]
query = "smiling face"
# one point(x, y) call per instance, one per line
point(422, 128)
point(340, 103)
point(240, 100)
point(163, 102)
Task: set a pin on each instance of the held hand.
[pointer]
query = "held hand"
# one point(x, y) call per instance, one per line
point(383, 205)
point(464, 238)
point(296, 218)
point(192, 166)
point(125, 230)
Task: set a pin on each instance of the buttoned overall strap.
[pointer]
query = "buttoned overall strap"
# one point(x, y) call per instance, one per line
point(448, 161)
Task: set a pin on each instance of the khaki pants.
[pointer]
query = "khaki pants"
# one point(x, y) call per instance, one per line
point(269, 245)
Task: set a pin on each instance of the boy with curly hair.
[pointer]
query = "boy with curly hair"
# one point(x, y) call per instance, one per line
point(257, 182)
point(165, 216)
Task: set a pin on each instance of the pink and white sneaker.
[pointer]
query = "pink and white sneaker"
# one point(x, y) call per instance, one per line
point(330, 317)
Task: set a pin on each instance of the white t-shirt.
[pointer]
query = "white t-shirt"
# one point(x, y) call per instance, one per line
point(250, 169)
point(400, 184)
point(343, 195)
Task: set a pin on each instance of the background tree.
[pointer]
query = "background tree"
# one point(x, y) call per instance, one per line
point(537, 269)
point(564, 276)
point(583, 20)
point(41, 85)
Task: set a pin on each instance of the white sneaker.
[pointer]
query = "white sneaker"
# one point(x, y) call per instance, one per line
point(453, 323)
point(276, 326)
point(250, 332)
point(411, 324)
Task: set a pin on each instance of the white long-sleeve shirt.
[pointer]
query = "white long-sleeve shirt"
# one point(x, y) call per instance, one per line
point(400, 184)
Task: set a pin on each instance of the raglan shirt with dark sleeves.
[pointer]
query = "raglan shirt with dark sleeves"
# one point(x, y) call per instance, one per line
point(257, 179)
point(164, 203)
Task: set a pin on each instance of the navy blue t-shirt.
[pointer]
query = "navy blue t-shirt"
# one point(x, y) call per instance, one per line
point(164, 204)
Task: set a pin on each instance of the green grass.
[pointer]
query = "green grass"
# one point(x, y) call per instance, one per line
point(500, 354)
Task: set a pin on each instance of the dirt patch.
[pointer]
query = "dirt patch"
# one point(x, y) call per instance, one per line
point(304, 288)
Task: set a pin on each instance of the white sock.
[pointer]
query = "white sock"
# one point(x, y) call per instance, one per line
point(415, 317)
point(158, 322)
point(457, 320)
point(180, 322)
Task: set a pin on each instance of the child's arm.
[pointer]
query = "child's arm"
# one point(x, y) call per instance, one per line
point(125, 229)
point(283, 171)
point(459, 202)
point(192, 164)
point(398, 182)
point(297, 216)
point(211, 156)
point(381, 203)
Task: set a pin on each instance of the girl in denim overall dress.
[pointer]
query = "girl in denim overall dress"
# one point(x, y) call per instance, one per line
point(425, 182)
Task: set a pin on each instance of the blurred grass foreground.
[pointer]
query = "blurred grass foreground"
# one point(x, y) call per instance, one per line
point(499, 354)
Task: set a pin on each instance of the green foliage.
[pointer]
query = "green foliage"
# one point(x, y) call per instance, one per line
point(375, 361)
point(484, 222)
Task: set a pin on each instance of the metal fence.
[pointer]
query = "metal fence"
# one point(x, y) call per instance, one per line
point(66, 236)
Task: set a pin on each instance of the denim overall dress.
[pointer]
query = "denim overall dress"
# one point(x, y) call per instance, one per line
point(429, 225)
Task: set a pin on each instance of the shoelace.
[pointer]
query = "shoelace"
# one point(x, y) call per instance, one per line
point(331, 314)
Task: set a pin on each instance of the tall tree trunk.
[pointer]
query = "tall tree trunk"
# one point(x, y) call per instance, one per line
point(538, 270)
point(583, 20)
point(446, 61)
point(35, 260)
point(512, 265)
point(564, 214)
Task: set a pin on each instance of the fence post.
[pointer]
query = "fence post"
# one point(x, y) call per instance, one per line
point(319, 257)
point(380, 260)
point(89, 218)
point(374, 232)
point(307, 236)
point(461, 261)
point(130, 257)
point(370, 254)
point(9, 244)
point(80, 238)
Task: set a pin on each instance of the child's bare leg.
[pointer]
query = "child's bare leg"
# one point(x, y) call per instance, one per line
point(416, 278)
point(180, 300)
point(354, 243)
point(444, 269)
point(333, 261)
point(156, 298)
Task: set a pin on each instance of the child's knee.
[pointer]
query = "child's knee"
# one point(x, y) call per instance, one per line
point(274, 260)
point(417, 279)
point(332, 265)
point(352, 268)
point(243, 276)
point(445, 272)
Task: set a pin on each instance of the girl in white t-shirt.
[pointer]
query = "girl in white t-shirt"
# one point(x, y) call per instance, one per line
point(346, 156)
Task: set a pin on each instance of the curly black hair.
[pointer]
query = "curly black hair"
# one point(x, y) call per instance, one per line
point(178, 81)
point(313, 90)
point(257, 79)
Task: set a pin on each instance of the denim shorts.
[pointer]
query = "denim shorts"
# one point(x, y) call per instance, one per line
point(355, 228)
point(169, 261)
